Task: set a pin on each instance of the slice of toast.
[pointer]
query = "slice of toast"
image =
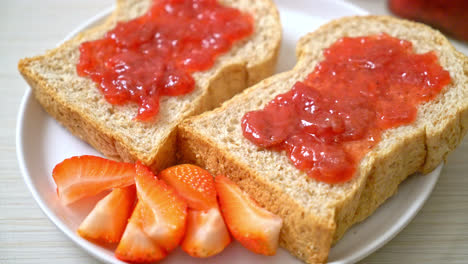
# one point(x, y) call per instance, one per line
point(317, 214)
point(79, 106)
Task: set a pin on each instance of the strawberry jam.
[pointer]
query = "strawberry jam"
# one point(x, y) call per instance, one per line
point(329, 121)
point(155, 55)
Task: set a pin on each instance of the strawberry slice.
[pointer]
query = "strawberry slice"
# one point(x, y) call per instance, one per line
point(136, 246)
point(206, 234)
point(83, 176)
point(193, 183)
point(106, 222)
point(253, 226)
point(164, 212)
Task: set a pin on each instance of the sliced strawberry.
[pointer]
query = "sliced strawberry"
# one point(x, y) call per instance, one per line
point(253, 226)
point(136, 246)
point(206, 234)
point(106, 222)
point(193, 183)
point(83, 176)
point(164, 212)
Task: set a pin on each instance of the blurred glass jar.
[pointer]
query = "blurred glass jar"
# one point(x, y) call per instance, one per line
point(450, 16)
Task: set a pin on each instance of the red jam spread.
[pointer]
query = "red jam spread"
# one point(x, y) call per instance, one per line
point(329, 121)
point(154, 55)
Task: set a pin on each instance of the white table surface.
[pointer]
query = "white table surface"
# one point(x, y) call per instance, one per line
point(438, 234)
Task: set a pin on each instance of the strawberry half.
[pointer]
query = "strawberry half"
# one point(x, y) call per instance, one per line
point(193, 183)
point(83, 176)
point(206, 234)
point(136, 246)
point(163, 213)
point(253, 226)
point(106, 222)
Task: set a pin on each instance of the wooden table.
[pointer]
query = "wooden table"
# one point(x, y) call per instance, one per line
point(439, 233)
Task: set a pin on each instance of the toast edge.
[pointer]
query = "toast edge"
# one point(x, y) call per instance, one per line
point(71, 119)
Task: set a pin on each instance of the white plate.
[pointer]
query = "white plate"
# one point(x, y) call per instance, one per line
point(42, 143)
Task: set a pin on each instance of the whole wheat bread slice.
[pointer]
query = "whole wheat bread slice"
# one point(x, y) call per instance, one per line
point(78, 105)
point(317, 214)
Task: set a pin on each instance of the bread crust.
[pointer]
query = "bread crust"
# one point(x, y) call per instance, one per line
point(222, 85)
point(422, 146)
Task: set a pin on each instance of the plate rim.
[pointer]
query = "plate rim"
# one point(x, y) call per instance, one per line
point(85, 245)
point(400, 224)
